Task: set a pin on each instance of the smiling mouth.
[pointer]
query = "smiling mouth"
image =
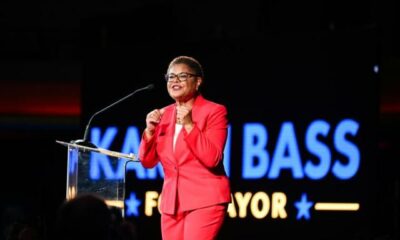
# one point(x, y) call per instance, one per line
point(176, 87)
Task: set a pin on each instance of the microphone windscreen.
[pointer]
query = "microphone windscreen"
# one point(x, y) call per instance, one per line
point(150, 86)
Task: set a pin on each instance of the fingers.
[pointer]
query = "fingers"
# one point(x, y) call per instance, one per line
point(183, 114)
point(153, 118)
point(155, 115)
point(162, 110)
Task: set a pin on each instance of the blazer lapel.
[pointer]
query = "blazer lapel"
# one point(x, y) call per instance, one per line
point(168, 122)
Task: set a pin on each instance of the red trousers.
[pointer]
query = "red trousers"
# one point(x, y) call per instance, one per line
point(197, 224)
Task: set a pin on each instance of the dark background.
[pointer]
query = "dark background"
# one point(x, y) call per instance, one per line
point(62, 61)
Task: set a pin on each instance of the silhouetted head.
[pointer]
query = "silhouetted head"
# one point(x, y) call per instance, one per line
point(84, 217)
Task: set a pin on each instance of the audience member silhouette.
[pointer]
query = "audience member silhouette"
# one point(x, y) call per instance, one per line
point(19, 223)
point(121, 228)
point(84, 217)
point(88, 217)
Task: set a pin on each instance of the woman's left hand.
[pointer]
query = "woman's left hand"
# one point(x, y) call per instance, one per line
point(183, 115)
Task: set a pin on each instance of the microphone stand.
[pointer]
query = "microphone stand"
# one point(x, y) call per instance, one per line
point(84, 142)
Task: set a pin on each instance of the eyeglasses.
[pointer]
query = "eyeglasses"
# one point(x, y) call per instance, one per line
point(183, 76)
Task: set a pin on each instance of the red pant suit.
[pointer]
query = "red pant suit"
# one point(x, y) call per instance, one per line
point(194, 176)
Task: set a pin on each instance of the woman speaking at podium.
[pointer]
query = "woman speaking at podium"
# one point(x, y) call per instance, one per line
point(188, 138)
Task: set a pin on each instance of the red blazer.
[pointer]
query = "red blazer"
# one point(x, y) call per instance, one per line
point(194, 174)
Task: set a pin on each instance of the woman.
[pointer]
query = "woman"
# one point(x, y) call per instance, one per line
point(188, 138)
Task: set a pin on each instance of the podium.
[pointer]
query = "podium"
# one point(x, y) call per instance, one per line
point(82, 179)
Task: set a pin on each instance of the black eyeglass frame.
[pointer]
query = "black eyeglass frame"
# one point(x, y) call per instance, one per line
point(168, 78)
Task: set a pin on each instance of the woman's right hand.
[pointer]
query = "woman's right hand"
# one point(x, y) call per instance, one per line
point(152, 120)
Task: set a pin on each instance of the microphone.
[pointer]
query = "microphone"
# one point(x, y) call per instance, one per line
point(84, 141)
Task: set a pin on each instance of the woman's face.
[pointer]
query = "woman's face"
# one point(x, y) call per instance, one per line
point(182, 90)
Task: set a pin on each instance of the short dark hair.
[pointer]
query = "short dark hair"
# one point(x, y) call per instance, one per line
point(189, 61)
point(84, 217)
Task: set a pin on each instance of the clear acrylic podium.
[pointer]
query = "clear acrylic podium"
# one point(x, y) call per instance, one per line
point(80, 179)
